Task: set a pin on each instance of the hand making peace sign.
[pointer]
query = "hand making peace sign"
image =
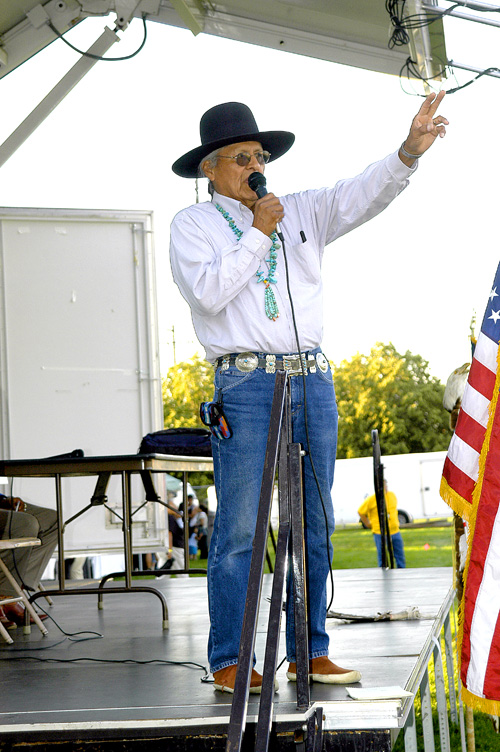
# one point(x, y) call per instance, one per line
point(425, 128)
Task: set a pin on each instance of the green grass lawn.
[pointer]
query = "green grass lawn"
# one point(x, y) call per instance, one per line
point(354, 547)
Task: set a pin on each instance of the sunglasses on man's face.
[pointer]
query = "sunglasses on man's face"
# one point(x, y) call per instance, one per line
point(243, 159)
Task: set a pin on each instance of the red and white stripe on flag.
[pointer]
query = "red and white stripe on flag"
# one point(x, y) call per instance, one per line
point(479, 633)
point(461, 466)
point(471, 486)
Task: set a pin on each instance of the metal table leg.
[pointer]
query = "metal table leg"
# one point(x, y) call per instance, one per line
point(127, 542)
point(60, 529)
point(127, 527)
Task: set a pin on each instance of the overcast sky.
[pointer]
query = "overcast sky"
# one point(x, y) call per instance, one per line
point(414, 275)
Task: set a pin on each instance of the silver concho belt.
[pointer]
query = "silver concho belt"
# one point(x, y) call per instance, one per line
point(249, 361)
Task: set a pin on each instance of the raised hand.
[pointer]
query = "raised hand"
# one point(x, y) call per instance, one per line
point(425, 128)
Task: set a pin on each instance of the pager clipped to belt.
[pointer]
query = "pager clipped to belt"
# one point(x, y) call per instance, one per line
point(212, 416)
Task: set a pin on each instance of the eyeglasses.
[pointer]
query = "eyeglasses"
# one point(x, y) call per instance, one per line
point(243, 159)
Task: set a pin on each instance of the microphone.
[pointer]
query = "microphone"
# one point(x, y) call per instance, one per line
point(257, 182)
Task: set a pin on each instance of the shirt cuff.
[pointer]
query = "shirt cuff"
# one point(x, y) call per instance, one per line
point(397, 168)
point(256, 242)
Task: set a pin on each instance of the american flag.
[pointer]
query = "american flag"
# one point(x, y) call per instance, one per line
point(461, 467)
point(471, 486)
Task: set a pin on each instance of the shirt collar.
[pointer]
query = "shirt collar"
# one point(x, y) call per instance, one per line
point(236, 209)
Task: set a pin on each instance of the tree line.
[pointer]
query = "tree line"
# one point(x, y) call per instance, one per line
point(384, 389)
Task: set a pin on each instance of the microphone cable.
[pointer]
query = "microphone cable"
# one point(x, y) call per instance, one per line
point(257, 182)
point(306, 422)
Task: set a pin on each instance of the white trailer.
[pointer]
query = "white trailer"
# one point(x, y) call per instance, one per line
point(414, 478)
point(79, 360)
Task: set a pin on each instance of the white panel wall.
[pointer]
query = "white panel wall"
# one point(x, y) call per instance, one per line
point(79, 353)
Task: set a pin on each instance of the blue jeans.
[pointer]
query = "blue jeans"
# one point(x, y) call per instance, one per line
point(397, 547)
point(238, 467)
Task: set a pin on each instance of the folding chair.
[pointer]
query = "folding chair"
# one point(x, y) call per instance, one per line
point(13, 543)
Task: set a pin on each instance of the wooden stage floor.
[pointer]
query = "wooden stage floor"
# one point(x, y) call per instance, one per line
point(137, 683)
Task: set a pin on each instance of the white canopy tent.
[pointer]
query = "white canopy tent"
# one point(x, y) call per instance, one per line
point(352, 32)
point(388, 36)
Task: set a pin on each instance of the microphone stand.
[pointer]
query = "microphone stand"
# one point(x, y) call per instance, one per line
point(281, 452)
point(378, 478)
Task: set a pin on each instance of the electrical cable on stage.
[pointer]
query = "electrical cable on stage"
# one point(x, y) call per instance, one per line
point(124, 661)
point(71, 635)
point(67, 635)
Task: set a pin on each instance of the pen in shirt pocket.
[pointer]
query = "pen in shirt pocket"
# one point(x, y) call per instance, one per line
point(303, 236)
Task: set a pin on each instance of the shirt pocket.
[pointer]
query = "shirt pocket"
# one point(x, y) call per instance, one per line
point(305, 265)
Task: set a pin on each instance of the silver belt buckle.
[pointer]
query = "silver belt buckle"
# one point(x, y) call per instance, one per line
point(291, 364)
point(311, 363)
point(322, 362)
point(270, 363)
point(246, 362)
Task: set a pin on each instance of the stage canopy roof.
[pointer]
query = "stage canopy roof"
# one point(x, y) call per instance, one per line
point(378, 35)
point(352, 32)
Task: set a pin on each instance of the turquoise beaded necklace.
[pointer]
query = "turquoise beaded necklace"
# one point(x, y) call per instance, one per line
point(270, 304)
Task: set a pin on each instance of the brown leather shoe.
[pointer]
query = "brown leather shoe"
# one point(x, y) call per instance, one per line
point(6, 623)
point(15, 612)
point(224, 681)
point(324, 671)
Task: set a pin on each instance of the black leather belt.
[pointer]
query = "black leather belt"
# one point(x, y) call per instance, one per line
point(249, 361)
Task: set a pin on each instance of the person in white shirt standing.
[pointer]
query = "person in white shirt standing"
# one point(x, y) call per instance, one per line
point(254, 309)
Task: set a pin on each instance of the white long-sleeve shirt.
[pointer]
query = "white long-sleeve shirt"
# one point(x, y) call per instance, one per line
point(216, 272)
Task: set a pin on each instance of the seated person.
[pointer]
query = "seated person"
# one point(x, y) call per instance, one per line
point(19, 519)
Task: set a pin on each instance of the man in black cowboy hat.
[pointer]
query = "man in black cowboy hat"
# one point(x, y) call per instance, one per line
point(254, 309)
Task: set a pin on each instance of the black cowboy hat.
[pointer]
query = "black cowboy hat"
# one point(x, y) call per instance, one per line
point(230, 123)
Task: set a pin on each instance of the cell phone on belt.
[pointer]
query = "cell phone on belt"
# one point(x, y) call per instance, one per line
point(212, 416)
